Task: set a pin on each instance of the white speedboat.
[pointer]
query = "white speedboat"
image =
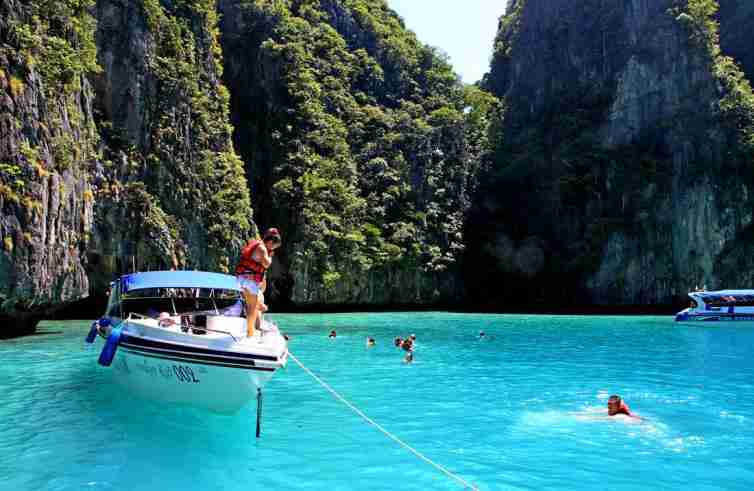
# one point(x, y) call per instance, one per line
point(721, 305)
point(180, 336)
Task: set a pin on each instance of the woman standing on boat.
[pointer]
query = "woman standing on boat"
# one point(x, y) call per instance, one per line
point(256, 258)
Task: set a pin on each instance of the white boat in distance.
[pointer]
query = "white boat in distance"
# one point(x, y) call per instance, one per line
point(180, 336)
point(722, 305)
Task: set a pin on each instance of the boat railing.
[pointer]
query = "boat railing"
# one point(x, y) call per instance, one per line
point(218, 331)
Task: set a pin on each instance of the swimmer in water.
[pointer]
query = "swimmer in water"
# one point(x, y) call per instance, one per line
point(616, 406)
point(333, 334)
point(371, 342)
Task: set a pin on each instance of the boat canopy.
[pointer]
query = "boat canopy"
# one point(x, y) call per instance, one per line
point(725, 297)
point(178, 279)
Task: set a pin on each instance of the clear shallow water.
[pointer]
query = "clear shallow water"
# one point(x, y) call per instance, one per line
point(501, 413)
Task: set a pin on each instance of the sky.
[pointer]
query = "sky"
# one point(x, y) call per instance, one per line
point(464, 29)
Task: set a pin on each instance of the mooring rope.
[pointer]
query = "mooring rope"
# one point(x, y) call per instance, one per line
point(383, 430)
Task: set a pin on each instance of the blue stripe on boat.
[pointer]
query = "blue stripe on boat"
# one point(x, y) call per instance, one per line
point(149, 354)
point(150, 343)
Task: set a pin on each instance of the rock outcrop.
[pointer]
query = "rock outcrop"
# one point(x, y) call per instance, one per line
point(624, 157)
point(48, 144)
point(115, 149)
point(355, 143)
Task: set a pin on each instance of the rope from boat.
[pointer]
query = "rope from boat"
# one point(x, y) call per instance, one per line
point(383, 430)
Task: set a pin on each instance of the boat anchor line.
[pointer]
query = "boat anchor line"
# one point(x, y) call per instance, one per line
point(369, 420)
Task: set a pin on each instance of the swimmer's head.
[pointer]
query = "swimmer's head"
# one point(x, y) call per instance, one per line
point(613, 405)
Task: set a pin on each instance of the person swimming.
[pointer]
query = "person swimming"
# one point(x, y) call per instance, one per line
point(333, 334)
point(371, 342)
point(616, 406)
point(408, 344)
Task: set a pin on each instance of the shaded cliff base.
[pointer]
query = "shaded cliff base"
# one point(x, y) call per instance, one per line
point(665, 309)
point(11, 327)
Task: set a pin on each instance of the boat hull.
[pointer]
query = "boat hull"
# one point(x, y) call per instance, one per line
point(221, 389)
point(218, 372)
point(712, 317)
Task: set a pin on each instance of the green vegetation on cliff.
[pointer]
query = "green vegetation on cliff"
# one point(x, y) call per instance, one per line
point(186, 177)
point(360, 132)
point(736, 106)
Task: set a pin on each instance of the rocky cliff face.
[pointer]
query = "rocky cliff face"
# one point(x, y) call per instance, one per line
point(48, 145)
point(117, 156)
point(171, 190)
point(115, 149)
point(625, 153)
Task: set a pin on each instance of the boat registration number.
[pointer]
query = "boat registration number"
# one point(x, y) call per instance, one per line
point(185, 374)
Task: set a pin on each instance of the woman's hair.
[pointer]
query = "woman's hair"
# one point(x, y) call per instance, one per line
point(273, 235)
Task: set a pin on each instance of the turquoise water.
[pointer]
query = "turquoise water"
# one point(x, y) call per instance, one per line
point(504, 413)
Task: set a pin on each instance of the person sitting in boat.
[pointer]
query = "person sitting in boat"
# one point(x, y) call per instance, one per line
point(616, 406)
point(164, 320)
point(255, 259)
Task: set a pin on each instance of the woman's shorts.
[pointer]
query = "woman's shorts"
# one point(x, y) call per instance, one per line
point(247, 283)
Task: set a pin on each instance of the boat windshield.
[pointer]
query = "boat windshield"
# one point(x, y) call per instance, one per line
point(152, 301)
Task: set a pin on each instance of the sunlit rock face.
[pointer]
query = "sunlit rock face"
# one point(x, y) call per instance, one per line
point(47, 145)
point(115, 150)
point(618, 152)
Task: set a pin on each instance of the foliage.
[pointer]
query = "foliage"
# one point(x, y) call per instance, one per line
point(370, 165)
point(57, 36)
point(737, 99)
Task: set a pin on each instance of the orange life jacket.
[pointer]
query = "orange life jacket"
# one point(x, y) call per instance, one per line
point(247, 265)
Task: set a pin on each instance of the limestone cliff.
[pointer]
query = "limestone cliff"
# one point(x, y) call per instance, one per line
point(625, 158)
point(115, 149)
point(170, 191)
point(48, 144)
point(354, 139)
point(359, 142)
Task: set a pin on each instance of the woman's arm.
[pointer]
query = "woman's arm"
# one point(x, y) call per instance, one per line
point(262, 256)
